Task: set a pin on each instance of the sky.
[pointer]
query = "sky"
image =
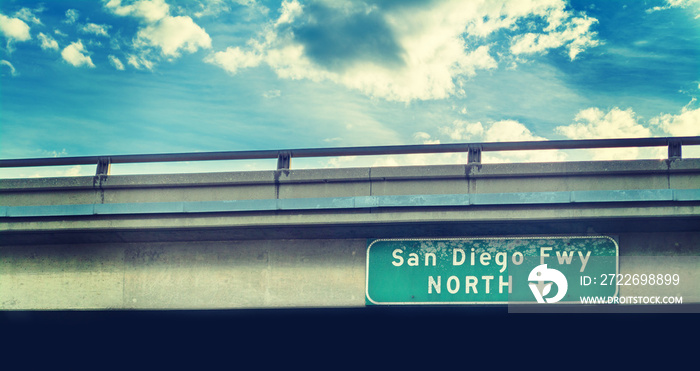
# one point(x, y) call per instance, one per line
point(110, 77)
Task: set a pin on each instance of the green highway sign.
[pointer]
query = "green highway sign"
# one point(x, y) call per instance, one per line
point(555, 269)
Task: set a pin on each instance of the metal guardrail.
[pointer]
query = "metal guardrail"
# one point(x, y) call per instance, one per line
point(284, 157)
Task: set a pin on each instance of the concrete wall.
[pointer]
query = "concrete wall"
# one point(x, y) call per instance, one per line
point(259, 273)
point(315, 257)
point(223, 274)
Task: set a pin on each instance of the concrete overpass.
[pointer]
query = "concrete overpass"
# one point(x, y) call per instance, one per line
point(298, 238)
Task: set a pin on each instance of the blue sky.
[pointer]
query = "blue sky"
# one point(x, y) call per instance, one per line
point(155, 76)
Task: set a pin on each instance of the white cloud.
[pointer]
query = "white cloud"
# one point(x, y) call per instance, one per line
point(428, 54)
point(215, 7)
point(514, 131)
point(682, 3)
point(27, 15)
point(677, 4)
point(14, 29)
point(425, 138)
point(576, 35)
point(139, 62)
point(593, 123)
point(687, 123)
point(95, 29)
point(233, 59)
point(509, 131)
point(500, 131)
point(250, 3)
point(426, 71)
point(290, 9)
point(9, 65)
point(54, 153)
point(421, 136)
point(171, 34)
point(47, 42)
point(463, 130)
point(149, 10)
point(270, 94)
point(75, 55)
point(116, 63)
point(211, 7)
point(72, 16)
point(402, 51)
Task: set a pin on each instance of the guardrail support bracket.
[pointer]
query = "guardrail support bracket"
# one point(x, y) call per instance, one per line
point(104, 165)
point(474, 155)
point(284, 160)
point(674, 149)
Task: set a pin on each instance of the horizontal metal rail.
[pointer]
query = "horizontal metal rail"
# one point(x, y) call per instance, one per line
point(474, 150)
